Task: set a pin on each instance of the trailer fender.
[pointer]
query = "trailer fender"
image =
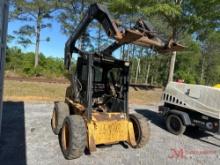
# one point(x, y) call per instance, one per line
point(184, 116)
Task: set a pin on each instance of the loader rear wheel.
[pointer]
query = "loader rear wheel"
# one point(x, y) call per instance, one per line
point(73, 137)
point(69, 92)
point(141, 130)
point(60, 111)
point(175, 125)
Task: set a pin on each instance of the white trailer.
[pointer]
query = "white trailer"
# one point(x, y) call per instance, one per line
point(187, 104)
point(3, 32)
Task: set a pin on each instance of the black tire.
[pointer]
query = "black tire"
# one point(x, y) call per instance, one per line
point(175, 125)
point(60, 111)
point(141, 129)
point(73, 137)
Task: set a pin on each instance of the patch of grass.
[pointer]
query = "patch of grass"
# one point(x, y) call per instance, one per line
point(151, 96)
point(33, 91)
point(41, 91)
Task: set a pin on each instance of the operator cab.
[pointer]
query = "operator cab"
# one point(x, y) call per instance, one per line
point(109, 83)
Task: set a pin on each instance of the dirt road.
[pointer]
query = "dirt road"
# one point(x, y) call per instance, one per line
point(27, 139)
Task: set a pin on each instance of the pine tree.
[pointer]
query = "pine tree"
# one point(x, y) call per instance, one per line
point(36, 15)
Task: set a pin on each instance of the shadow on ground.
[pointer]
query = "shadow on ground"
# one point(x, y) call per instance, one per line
point(137, 87)
point(191, 132)
point(12, 139)
point(201, 135)
point(153, 116)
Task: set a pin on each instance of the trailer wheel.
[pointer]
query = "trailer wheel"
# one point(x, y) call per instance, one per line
point(60, 111)
point(73, 137)
point(175, 125)
point(141, 129)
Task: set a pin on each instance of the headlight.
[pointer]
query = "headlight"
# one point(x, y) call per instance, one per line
point(126, 63)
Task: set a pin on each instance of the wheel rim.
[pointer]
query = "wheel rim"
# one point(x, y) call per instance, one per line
point(175, 124)
point(137, 130)
point(54, 120)
point(65, 136)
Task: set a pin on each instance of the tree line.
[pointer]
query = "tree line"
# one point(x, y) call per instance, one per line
point(193, 23)
point(23, 64)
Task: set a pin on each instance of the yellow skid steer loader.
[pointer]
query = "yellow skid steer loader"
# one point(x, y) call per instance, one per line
point(95, 110)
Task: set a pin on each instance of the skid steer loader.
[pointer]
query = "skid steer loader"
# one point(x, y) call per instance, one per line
point(95, 110)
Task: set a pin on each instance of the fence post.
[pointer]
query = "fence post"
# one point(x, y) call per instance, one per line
point(3, 34)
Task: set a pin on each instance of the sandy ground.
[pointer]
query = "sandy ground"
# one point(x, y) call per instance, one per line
point(27, 139)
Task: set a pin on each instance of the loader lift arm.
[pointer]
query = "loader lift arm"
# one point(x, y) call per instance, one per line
point(141, 34)
point(95, 11)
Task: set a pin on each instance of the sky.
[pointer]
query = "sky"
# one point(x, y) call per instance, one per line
point(53, 48)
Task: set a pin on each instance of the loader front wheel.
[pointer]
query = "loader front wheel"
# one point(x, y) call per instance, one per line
point(73, 137)
point(141, 130)
point(60, 111)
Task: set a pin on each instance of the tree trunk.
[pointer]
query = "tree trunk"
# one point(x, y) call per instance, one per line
point(202, 69)
point(123, 52)
point(99, 37)
point(137, 71)
point(172, 66)
point(80, 43)
point(147, 75)
point(152, 80)
point(37, 44)
point(132, 65)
